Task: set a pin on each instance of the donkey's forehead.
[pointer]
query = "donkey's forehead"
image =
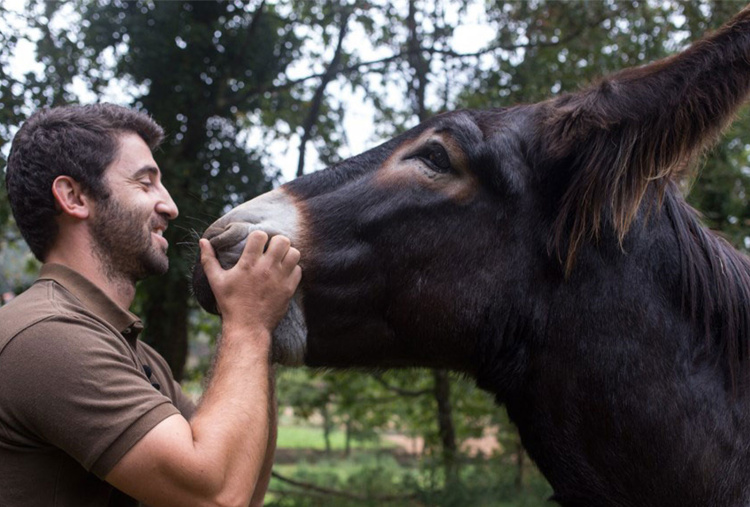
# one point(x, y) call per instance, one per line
point(466, 130)
point(461, 126)
point(474, 128)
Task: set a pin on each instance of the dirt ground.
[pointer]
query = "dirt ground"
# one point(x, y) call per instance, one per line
point(407, 449)
point(474, 447)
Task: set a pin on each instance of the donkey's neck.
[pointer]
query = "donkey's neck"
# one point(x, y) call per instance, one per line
point(619, 400)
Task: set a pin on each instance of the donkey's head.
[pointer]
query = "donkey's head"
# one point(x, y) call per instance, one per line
point(466, 227)
point(411, 248)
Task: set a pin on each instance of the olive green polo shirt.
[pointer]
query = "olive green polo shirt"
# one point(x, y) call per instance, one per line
point(74, 392)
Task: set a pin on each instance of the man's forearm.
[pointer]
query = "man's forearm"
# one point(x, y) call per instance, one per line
point(265, 474)
point(229, 425)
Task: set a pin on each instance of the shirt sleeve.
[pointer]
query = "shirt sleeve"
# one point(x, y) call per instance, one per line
point(168, 385)
point(77, 386)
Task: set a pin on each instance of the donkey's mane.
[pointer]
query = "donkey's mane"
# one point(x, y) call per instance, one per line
point(714, 276)
point(715, 280)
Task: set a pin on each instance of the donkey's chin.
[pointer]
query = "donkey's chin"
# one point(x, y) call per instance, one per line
point(290, 337)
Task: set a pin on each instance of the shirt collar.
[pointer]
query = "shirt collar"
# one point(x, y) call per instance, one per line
point(94, 299)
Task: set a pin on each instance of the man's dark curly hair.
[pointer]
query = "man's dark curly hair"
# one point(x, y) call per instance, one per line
point(76, 141)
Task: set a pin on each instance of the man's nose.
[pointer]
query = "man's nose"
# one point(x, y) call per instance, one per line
point(166, 205)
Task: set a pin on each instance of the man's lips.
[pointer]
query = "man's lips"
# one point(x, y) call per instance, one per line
point(158, 226)
point(158, 234)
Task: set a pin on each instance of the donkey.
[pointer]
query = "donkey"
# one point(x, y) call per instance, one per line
point(545, 250)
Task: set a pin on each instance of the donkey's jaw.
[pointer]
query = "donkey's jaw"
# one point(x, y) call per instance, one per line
point(290, 337)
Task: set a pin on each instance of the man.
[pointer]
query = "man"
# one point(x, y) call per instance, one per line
point(89, 415)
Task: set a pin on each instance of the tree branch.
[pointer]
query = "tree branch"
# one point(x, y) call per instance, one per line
point(342, 494)
point(317, 101)
point(399, 391)
point(512, 47)
point(405, 55)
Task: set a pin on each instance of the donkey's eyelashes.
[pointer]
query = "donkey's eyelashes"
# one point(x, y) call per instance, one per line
point(434, 155)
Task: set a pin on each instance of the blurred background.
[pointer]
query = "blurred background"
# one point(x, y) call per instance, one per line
point(252, 94)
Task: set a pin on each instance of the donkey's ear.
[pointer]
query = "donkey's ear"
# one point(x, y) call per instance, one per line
point(640, 128)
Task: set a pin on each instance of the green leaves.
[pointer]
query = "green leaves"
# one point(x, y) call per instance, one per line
point(226, 79)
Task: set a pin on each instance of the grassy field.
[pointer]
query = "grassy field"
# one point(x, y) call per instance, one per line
point(308, 437)
point(379, 473)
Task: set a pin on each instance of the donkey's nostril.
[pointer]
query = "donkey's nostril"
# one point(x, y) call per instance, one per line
point(232, 235)
point(212, 232)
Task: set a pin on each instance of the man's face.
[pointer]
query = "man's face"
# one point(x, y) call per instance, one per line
point(127, 228)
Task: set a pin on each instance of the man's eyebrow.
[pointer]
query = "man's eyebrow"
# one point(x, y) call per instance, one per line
point(149, 169)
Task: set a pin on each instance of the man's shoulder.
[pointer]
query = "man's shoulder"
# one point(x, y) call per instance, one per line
point(31, 306)
point(44, 302)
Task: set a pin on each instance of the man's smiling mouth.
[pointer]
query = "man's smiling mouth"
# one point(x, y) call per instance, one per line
point(159, 233)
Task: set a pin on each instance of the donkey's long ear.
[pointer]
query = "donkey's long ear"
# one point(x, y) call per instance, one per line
point(639, 129)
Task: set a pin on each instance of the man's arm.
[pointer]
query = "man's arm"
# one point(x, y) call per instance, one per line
point(265, 474)
point(217, 457)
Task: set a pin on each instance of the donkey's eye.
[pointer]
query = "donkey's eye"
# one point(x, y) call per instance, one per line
point(436, 157)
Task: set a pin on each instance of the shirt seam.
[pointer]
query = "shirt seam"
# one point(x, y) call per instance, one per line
point(25, 328)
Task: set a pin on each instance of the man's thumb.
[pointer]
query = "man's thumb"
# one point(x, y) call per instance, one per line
point(208, 256)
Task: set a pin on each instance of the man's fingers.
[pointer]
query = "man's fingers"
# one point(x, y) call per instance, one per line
point(296, 276)
point(254, 245)
point(278, 247)
point(208, 257)
point(291, 259)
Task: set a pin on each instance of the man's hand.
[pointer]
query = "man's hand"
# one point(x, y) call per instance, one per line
point(256, 291)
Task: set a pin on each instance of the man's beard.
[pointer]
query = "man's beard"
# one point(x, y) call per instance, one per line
point(123, 243)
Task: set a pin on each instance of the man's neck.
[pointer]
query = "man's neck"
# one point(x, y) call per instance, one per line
point(120, 289)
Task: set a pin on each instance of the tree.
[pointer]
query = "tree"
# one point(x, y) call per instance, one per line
point(224, 78)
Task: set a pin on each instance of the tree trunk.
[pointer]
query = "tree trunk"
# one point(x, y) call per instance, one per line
point(165, 317)
point(417, 62)
point(347, 447)
point(326, 428)
point(445, 425)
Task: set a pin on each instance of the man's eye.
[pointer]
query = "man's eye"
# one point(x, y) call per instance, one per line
point(436, 157)
point(147, 183)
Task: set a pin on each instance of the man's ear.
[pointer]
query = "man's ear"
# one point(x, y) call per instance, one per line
point(70, 198)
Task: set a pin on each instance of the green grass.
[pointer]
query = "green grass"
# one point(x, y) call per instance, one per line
point(305, 437)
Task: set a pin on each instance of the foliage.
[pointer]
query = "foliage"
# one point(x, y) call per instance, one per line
point(395, 401)
point(485, 483)
point(225, 79)
point(364, 475)
point(19, 267)
point(720, 187)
